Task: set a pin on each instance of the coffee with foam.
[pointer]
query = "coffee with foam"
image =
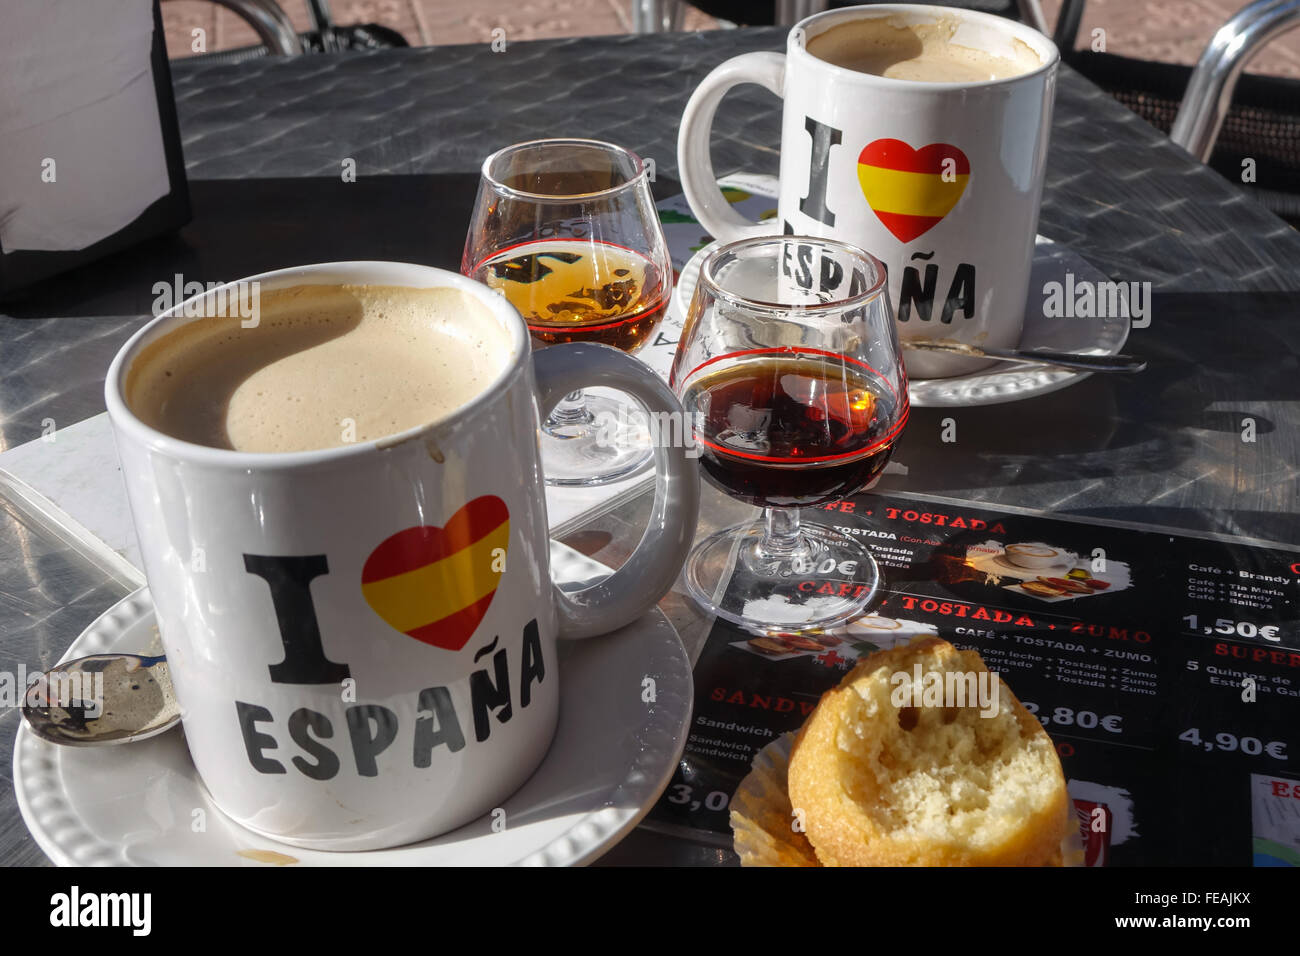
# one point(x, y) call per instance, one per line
point(324, 366)
point(926, 52)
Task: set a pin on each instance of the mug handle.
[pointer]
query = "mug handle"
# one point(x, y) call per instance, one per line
point(652, 568)
point(694, 160)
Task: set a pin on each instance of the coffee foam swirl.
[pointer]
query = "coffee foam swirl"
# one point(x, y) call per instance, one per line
point(325, 366)
point(927, 51)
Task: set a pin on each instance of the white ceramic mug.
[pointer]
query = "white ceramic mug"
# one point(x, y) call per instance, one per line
point(941, 181)
point(291, 589)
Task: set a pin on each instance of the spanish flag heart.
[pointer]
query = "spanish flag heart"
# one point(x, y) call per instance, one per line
point(435, 584)
point(910, 190)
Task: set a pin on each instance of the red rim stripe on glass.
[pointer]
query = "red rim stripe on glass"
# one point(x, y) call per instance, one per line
point(791, 350)
point(819, 459)
point(579, 327)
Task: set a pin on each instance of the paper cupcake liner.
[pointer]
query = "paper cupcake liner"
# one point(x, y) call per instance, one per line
point(761, 816)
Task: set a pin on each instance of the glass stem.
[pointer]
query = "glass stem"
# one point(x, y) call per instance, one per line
point(780, 534)
point(571, 410)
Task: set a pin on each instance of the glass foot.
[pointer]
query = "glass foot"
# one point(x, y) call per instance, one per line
point(825, 580)
point(605, 441)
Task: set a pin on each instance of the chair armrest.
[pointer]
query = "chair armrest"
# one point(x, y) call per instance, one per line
point(270, 22)
point(1209, 91)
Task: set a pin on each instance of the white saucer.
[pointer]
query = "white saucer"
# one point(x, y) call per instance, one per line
point(1003, 382)
point(612, 757)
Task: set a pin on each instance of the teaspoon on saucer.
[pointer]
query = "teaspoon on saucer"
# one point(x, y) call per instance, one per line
point(102, 699)
point(1071, 360)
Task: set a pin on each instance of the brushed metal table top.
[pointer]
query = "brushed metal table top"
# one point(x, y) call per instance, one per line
point(265, 144)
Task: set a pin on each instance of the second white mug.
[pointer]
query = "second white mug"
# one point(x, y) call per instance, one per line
point(941, 180)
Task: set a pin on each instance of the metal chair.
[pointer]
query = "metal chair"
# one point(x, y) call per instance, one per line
point(1209, 92)
point(269, 22)
point(275, 30)
point(1214, 112)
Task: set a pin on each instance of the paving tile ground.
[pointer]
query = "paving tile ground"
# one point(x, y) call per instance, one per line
point(1174, 31)
point(422, 22)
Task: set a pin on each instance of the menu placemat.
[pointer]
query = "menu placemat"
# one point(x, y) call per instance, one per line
point(1165, 667)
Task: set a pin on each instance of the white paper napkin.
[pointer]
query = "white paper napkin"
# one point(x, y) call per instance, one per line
point(78, 105)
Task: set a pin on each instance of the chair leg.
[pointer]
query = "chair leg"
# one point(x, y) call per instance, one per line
point(1067, 25)
point(1031, 12)
point(657, 16)
point(790, 12)
point(321, 17)
point(322, 22)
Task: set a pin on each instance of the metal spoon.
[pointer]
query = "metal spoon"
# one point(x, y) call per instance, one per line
point(1082, 363)
point(102, 699)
